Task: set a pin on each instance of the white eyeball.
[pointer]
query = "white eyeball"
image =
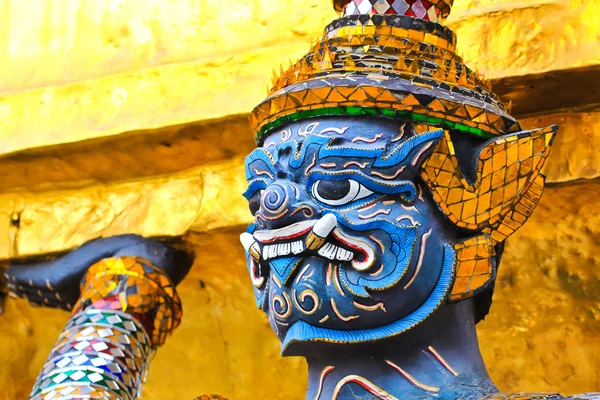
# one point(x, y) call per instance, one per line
point(339, 192)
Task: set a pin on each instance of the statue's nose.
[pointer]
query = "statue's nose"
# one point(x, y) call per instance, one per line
point(274, 199)
point(282, 204)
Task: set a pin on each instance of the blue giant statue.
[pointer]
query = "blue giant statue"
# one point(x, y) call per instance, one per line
point(386, 180)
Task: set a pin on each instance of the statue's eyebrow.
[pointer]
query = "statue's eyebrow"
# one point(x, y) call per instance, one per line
point(256, 155)
point(383, 157)
point(350, 151)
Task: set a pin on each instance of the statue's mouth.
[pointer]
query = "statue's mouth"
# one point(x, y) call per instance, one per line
point(322, 238)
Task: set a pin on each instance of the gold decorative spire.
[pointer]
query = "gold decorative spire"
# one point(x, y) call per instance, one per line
point(429, 10)
point(401, 57)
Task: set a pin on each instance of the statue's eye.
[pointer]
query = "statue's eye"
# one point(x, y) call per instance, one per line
point(254, 201)
point(339, 192)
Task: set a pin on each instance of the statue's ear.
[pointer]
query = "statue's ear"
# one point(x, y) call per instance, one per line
point(507, 182)
point(492, 193)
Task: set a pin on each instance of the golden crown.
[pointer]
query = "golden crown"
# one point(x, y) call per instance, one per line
point(389, 58)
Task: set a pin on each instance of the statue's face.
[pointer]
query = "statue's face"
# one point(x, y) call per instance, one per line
point(347, 245)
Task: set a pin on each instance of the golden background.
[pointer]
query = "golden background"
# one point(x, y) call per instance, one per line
point(129, 116)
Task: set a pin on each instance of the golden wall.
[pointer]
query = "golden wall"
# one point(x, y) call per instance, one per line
point(128, 116)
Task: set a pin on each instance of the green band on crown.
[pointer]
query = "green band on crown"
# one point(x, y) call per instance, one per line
point(372, 111)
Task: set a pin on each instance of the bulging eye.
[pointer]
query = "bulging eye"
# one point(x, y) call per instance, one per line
point(339, 192)
point(254, 201)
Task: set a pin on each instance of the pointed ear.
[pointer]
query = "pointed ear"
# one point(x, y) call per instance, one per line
point(507, 187)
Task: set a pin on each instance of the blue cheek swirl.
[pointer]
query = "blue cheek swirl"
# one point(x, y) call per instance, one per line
point(395, 261)
point(302, 331)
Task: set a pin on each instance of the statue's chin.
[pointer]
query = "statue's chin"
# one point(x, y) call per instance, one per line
point(302, 332)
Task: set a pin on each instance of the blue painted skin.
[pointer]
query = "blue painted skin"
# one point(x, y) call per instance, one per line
point(365, 173)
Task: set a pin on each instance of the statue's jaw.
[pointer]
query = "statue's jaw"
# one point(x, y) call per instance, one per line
point(302, 332)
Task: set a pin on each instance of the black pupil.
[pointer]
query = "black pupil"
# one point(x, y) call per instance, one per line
point(254, 202)
point(333, 190)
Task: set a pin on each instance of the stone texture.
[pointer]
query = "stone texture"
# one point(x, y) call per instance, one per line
point(510, 37)
point(542, 333)
point(199, 199)
point(57, 198)
point(575, 152)
point(143, 99)
point(544, 329)
point(110, 37)
point(129, 156)
point(142, 66)
point(550, 92)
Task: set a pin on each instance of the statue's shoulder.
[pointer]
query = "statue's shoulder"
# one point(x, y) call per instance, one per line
point(541, 396)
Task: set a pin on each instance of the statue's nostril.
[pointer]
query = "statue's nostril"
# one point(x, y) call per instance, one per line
point(282, 175)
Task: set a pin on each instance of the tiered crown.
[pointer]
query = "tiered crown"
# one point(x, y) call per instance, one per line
point(388, 58)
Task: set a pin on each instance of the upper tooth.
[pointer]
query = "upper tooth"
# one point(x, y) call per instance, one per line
point(328, 251)
point(332, 252)
point(283, 249)
point(266, 252)
point(344, 255)
point(297, 247)
point(272, 251)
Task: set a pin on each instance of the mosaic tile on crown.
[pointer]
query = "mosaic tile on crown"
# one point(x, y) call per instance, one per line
point(414, 8)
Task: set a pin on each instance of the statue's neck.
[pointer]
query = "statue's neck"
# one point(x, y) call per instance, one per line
point(438, 358)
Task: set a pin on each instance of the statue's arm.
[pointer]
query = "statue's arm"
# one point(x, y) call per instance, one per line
point(124, 305)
